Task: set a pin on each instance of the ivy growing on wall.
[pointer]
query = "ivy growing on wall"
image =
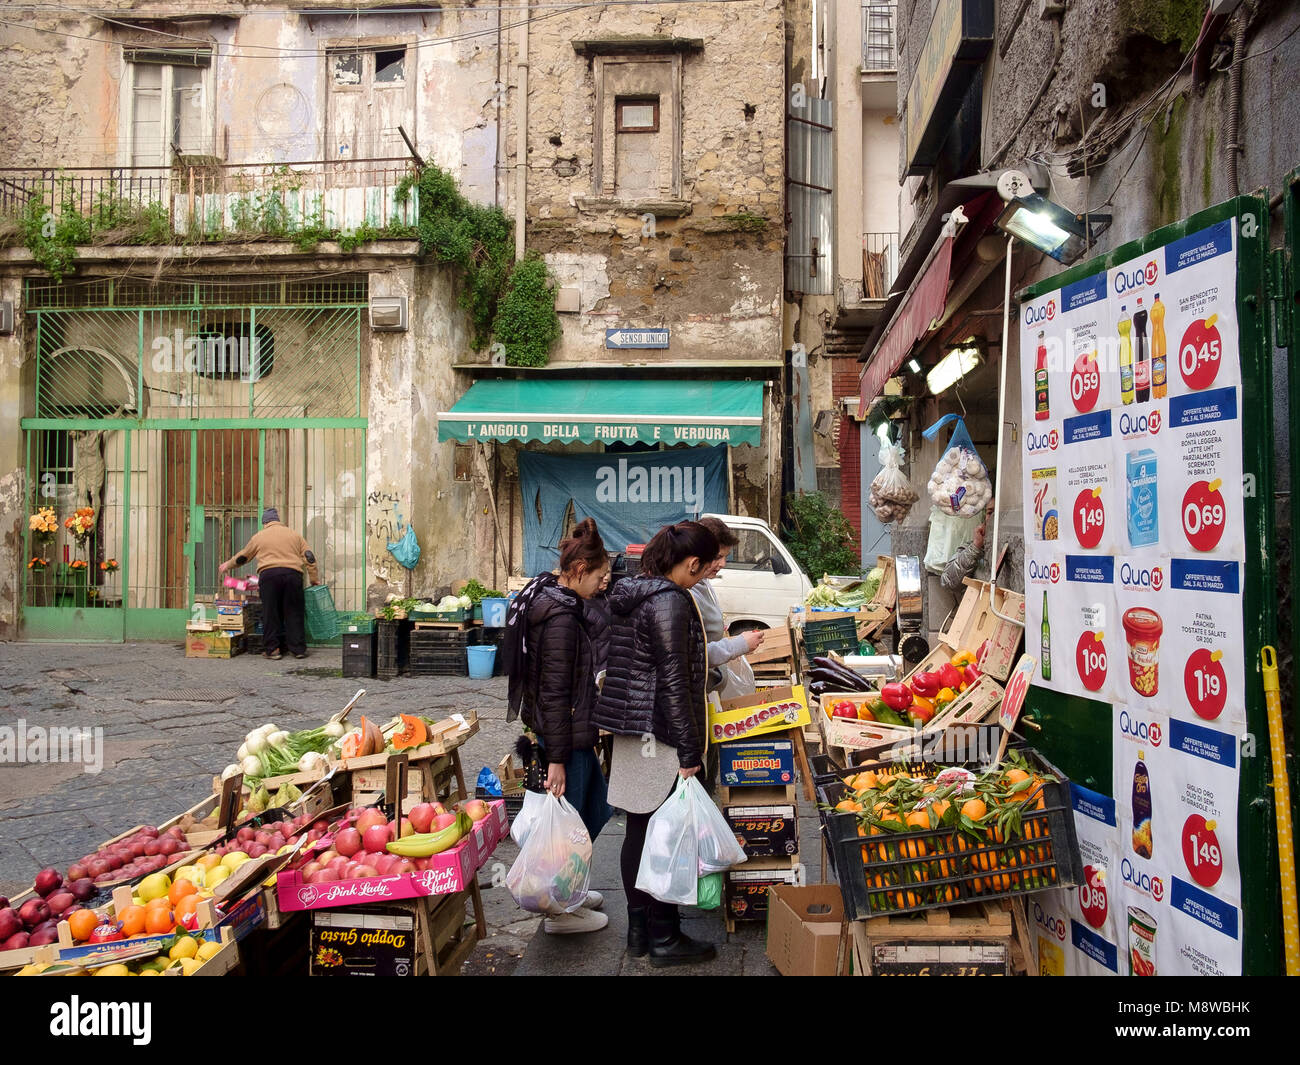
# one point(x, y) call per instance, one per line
point(526, 322)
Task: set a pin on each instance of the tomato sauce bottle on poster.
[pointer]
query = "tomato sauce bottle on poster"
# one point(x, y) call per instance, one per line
point(1159, 354)
point(1125, 327)
point(1142, 361)
point(1142, 840)
point(1041, 412)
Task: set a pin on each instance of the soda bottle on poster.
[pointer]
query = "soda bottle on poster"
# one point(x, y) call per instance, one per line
point(1142, 838)
point(1159, 352)
point(1125, 327)
point(1041, 411)
point(1045, 660)
point(1142, 359)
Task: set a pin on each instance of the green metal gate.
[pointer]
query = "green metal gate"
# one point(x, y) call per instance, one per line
point(177, 412)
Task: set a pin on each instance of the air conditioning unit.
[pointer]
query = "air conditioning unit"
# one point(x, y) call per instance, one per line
point(388, 314)
point(6, 317)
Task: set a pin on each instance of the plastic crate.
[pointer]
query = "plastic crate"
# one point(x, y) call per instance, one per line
point(322, 618)
point(439, 669)
point(351, 622)
point(460, 614)
point(444, 639)
point(830, 634)
point(392, 648)
point(907, 872)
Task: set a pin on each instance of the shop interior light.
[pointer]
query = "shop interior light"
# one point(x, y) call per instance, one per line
point(1050, 228)
point(914, 366)
point(952, 368)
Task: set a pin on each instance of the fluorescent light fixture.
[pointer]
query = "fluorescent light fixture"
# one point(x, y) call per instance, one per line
point(1051, 228)
point(914, 366)
point(952, 368)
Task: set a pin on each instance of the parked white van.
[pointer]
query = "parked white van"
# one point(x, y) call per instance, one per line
point(761, 581)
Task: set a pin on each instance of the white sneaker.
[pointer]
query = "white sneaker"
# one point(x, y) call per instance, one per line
point(575, 923)
point(594, 901)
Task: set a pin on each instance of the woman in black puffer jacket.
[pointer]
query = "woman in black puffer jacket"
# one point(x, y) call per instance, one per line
point(653, 700)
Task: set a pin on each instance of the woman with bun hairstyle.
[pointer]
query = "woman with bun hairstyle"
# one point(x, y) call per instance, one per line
point(653, 700)
point(550, 661)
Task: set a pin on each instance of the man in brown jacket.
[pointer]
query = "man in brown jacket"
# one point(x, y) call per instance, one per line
point(282, 555)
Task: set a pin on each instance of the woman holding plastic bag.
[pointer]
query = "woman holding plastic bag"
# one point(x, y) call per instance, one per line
point(550, 660)
point(653, 700)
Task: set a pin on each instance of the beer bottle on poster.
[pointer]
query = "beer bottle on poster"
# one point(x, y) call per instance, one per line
point(1041, 412)
point(1046, 656)
point(1159, 354)
point(1125, 327)
point(1142, 360)
point(1142, 839)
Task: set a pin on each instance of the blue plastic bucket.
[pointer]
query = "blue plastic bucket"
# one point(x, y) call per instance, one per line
point(494, 613)
point(481, 660)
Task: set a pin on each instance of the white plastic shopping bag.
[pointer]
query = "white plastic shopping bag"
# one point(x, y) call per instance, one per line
point(687, 838)
point(737, 679)
point(524, 820)
point(553, 869)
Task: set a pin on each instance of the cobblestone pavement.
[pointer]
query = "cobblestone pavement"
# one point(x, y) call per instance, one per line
point(170, 723)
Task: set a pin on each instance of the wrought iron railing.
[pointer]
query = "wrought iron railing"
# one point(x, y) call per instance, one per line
point(150, 204)
point(879, 47)
point(879, 264)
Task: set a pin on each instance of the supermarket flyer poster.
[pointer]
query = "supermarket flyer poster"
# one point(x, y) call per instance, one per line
point(1085, 627)
point(1141, 616)
point(1201, 498)
point(1041, 473)
point(1142, 799)
point(1049, 914)
point(1087, 381)
point(1198, 310)
point(1202, 647)
point(1044, 579)
point(1094, 922)
point(1087, 492)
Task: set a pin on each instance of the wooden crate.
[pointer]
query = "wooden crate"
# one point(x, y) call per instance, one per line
point(970, 940)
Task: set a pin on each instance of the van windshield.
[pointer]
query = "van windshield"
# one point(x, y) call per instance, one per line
point(755, 551)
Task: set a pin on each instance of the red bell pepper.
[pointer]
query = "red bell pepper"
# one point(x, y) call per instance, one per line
point(897, 696)
point(949, 676)
point(925, 684)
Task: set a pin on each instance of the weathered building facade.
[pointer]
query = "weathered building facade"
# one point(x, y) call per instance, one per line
point(233, 174)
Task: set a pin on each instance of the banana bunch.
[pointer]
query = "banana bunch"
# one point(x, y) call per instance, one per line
point(425, 844)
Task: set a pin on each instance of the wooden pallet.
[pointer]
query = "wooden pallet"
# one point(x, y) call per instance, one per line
point(970, 939)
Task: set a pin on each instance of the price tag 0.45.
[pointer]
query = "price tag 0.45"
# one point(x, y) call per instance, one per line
point(1200, 353)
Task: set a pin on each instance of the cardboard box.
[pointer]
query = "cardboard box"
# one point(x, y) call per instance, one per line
point(773, 710)
point(756, 763)
point(745, 887)
point(362, 944)
point(211, 643)
point(974, 623)
point(803, 929)
point(766, 824)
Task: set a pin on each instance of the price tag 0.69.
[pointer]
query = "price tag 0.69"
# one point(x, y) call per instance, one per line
point(1204, 514)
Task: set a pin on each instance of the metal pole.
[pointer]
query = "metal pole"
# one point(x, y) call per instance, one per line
point(1002, 407)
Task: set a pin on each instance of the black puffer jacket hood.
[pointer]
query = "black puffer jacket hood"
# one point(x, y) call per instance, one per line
point(655, 678)
point(559, 682)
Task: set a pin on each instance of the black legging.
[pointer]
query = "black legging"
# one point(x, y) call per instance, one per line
point(630, 860)
point(283, 608)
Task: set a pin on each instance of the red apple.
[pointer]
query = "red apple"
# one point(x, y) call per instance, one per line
point(376, 837)
point(17, 941)
point(422, 816)
point(34, 912)
point(10, 923)
point(60, 901)
point(348, 842)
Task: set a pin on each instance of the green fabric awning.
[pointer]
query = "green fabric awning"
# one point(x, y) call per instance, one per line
point(608, 411)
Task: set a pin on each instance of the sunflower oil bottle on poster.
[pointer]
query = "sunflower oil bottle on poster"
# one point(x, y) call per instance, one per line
point(1142, 839)
point(1125, 327)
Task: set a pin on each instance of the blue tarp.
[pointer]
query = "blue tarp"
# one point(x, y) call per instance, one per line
point(631, 496)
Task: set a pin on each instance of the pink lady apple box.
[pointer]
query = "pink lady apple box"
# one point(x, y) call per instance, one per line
point(448, 872)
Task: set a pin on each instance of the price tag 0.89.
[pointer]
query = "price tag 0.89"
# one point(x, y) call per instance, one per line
point(1089, 518)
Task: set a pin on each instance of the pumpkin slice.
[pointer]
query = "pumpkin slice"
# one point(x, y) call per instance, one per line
point(372, 740)
point(412, 733)
point(351, 745)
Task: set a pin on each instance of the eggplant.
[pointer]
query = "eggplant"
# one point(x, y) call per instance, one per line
point(839, 682)
point(842, 672)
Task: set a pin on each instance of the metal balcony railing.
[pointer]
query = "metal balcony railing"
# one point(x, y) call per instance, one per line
point(879, 264)
point(879, 47)
point(152, 204)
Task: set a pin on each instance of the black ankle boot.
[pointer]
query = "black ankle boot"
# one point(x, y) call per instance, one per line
point(638, 932)
point(668, 945)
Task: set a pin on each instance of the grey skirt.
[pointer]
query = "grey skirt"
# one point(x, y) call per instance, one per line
point(642, 774)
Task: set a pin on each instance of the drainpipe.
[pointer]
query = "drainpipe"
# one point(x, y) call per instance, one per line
point(994, 546)
point(521, 136)
point(1234, 104)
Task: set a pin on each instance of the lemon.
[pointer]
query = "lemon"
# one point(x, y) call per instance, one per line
point(149, 972)
point(208, 950)
point(185, 947)
point(215, 875)
point(234, 859)
point(154, 886)
point(189, 966)
point(192, 873)
point(116, 969)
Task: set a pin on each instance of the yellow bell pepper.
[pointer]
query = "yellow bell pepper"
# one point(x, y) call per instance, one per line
point(945, 696)
point(963, 658)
